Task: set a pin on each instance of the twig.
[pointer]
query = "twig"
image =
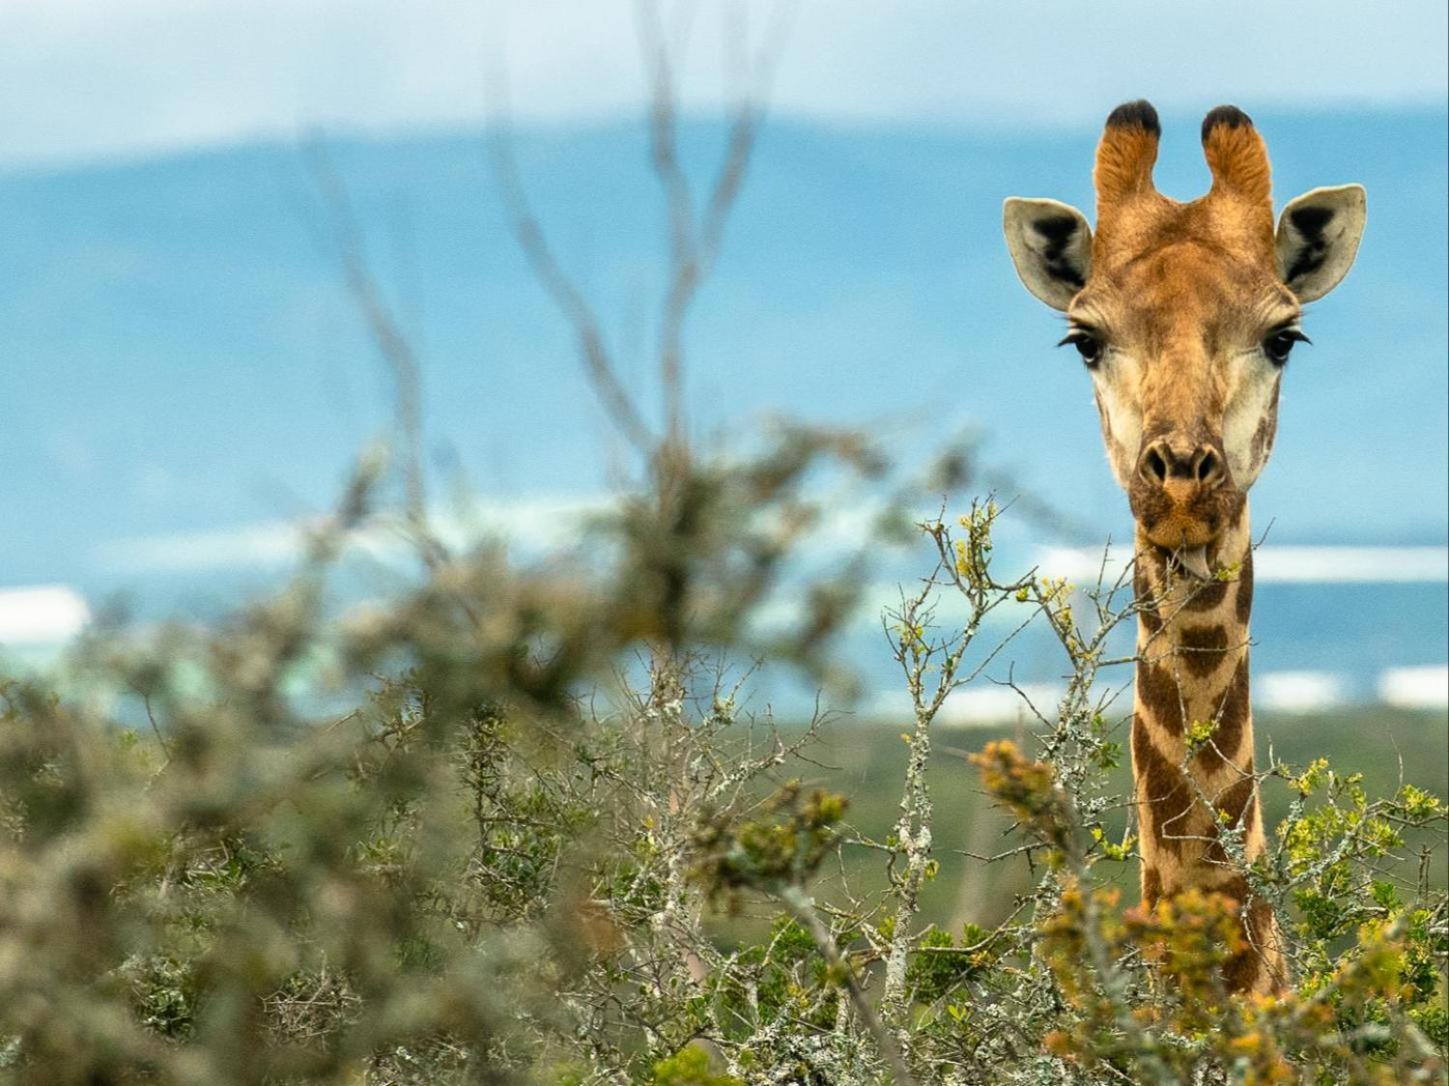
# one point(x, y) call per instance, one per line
point(803, 909)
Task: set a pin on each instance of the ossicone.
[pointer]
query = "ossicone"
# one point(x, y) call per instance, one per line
point(1126, 154)
point(1236, 155)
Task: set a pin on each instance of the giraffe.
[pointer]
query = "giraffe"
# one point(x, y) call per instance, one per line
point(1184, 315)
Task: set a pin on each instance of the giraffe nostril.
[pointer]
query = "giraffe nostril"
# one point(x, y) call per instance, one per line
point(1201, 467)
point(1154, 466)
point(1209, 467)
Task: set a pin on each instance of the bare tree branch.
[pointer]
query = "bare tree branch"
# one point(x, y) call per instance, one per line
point(598, 362)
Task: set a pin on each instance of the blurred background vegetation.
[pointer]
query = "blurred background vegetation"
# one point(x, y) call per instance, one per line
point(863, 759)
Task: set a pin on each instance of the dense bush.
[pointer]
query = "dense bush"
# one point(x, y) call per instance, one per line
point(516, 857)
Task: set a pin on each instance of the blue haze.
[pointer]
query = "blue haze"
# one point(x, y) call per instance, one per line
point(181, 355)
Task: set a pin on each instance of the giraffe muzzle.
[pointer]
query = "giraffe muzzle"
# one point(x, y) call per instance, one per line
point(1182, 495)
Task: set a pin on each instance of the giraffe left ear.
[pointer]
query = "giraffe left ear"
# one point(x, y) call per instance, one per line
point(1318, 238)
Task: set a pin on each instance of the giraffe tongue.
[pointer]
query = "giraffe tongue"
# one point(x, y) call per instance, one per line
point(1194, 560)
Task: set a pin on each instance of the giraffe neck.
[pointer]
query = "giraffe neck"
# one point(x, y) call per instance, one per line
point(1192, 675)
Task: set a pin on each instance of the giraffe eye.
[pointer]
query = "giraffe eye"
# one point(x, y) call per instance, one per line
point(1087, 345)
point(1279, 345)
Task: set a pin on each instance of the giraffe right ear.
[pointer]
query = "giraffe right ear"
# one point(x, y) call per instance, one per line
point(1051, 245)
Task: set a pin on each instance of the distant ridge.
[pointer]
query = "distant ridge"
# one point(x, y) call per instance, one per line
point(182, 357)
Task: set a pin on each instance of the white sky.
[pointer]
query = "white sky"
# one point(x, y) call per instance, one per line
point(85, 79)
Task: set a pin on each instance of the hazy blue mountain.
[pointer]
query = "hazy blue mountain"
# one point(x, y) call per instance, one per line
point(181, 355)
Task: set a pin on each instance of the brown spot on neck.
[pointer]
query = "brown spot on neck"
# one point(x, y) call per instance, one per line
point(1234, 722)
point(1159, 694)
point(1238, 805)
point(1151, 885)
point(1207, 597)
point(1257, 966)
point(1202, 648)
point(1145, 596)
point(1163, 795)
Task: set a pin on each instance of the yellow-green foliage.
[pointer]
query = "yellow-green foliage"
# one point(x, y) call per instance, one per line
point(690, 1067)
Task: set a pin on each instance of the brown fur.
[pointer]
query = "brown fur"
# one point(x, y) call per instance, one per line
point(1165, 799)
point(1125, 158)
point(1234, 724)
point(1158, 693)
point(1181, 514)
point(1145, 593)
point(1203, 648)
point(1207, 598)
point(1238, 159)
point(1243, 601)
point(1151, 887)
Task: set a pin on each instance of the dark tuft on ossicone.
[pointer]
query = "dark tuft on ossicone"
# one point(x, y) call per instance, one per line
point(1138, 114)
point(1231, 116)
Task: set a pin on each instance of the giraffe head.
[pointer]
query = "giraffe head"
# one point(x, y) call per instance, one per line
point(1185, 314)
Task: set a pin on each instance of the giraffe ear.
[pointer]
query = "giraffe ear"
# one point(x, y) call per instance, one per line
point(1318, 237)
point(1051, 245)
